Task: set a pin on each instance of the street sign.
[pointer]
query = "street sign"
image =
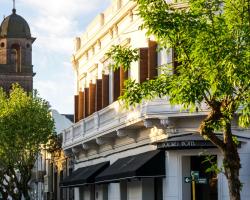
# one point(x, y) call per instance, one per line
point(201, 181)
point(195, 178)
point(195, 174)
point(187, 179)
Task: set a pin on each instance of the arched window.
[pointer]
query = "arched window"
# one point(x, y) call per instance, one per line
point(16, 56)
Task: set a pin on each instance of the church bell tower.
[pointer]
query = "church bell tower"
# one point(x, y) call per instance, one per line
point(16, 53)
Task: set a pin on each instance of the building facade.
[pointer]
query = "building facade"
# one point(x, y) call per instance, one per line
point(51, 166)
point(16, 53)
point(144, 153)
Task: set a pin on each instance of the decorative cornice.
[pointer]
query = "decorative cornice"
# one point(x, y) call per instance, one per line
point(118, 16)
point(131, 133)
point(150, 123)
point(105, 140)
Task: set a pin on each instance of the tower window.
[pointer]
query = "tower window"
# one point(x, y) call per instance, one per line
point(28, 46)
point(16, 56)
point(2, 44)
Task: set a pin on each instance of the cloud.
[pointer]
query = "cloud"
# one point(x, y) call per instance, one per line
point(60, 98)
point(58, 88)
point(66, 7)
point(55, 23)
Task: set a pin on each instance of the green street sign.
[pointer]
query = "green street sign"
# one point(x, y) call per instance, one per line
point(201, 181)
point(195, 174)
point(187, 179)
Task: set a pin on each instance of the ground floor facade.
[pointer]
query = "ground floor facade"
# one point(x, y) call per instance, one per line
point(115, 183)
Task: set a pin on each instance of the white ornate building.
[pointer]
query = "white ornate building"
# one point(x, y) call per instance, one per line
point(143, 153)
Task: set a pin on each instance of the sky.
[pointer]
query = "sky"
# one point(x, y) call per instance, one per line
point(55, 24)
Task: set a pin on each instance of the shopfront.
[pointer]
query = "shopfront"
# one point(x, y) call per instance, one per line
point(185, 155)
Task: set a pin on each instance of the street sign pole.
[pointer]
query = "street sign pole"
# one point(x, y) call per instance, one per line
point(193, 187)
point(195, 178)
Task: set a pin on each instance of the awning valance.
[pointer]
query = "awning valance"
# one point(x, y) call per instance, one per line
point(84, 175)
point(145, 165)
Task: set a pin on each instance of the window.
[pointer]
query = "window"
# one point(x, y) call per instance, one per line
point(16, 56)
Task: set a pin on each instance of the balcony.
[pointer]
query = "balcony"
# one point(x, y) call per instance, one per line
point(111, 120)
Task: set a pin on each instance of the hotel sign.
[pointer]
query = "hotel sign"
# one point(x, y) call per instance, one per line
point(190, 144)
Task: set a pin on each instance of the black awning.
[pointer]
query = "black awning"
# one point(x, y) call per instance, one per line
point(187, 141)
point(84, 175)
point(149, 164)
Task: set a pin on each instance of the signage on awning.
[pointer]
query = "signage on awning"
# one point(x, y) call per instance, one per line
point(184, 144)
point(192, 141)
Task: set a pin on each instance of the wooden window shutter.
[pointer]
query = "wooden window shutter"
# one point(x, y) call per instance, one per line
point(81, 105)
point(105, 90)
point(76, 108)
point(143, 52)
point(123, 78)
point(98, 104)
point(86, 102)
point(175, 61)
point(92, 92)
point(116, 84)
point(152, 59)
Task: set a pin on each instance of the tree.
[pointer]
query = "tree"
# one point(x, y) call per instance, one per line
point(25, 124)
point(211, 39)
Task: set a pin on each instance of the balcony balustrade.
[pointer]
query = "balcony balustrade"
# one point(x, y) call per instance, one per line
point(115, 117)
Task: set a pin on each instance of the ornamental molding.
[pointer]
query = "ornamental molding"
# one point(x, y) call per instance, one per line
point(105, 140)
point(131, 133)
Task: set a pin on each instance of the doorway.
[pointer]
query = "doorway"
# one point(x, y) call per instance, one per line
point(209, 190)
point(203, 191)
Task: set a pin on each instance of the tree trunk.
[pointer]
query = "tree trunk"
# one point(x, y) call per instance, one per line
point(232, 167)
point(228, 148)
point(231, 163)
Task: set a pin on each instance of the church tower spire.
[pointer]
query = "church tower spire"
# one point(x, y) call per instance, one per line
point(14, 7)
point(16, 52)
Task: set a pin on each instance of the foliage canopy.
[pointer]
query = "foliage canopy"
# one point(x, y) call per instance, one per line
point(211, 39)
point(25, 124)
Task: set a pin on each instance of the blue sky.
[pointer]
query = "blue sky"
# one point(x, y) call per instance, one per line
point(55, 23)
